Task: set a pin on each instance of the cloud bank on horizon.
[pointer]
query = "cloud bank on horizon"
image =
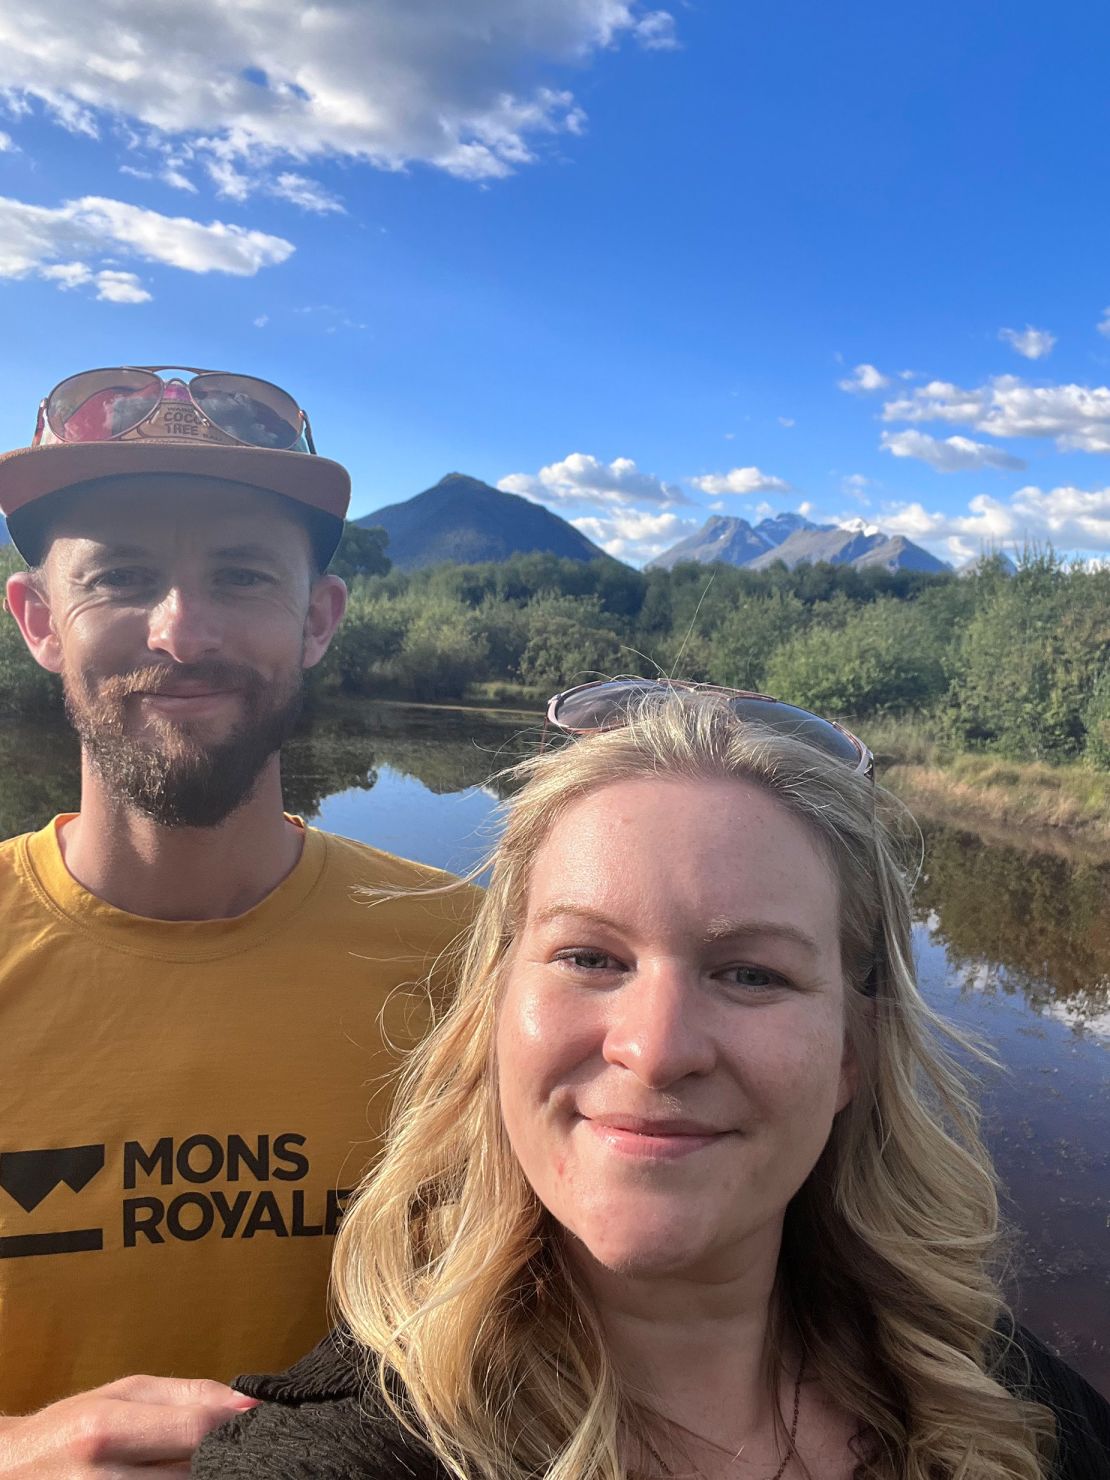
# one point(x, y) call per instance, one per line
point(237, 143)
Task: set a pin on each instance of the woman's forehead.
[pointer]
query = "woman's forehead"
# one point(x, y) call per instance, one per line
point(709, 850)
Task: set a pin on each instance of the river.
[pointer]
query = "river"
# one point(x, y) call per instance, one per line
point(1011, 944)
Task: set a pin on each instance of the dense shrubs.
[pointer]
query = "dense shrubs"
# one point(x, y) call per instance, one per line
point(1014, 665)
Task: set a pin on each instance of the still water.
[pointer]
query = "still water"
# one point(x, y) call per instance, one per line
point(1011, 944)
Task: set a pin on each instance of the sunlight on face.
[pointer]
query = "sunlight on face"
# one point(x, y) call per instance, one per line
point(671, 1045)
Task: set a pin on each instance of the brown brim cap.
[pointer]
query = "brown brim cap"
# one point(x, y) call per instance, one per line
point(32, 473)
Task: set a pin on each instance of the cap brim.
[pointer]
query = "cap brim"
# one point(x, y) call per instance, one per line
point(31, 473)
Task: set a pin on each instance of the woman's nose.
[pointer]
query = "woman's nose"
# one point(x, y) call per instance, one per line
point(658, 1029)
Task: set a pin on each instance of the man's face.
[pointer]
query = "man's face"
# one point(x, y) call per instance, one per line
point(183, 612)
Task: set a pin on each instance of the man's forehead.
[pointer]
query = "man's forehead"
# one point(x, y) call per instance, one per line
point(136, 514)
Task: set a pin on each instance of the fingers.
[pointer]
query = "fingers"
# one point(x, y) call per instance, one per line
point(167, 1391)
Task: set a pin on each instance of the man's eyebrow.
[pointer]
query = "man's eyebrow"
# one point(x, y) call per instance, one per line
point(120, 552)
point(719, 930)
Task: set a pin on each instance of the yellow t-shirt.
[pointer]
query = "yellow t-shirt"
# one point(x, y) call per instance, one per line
point(183, 1107)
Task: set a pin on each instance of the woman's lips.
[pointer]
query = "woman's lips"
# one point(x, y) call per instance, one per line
point(653, 1140)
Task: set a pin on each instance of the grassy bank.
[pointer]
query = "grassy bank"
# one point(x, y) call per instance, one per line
point(1066, 805)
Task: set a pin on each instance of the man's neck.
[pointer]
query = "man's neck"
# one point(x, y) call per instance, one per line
point(181, 873)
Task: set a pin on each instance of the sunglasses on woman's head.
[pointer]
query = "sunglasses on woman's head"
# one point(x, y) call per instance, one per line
point(607, 704)
point(105, 405)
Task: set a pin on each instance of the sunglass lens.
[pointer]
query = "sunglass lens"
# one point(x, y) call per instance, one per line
point(251, 411)
point(600, 706)
point(97, 405)
point(786, 719)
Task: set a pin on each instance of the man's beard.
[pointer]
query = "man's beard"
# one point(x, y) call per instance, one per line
point(168, 774)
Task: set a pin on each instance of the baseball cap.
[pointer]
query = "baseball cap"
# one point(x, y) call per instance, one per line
point(127, 421)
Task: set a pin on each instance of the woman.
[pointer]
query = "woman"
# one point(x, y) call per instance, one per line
point(682, 1184)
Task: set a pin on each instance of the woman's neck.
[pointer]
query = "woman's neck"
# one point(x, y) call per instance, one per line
point(692, 1347)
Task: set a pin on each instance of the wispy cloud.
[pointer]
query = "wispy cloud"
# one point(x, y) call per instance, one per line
point(1067, 517)
point(863, 380)
point(396, 83)
point(948, 454)
point(743, 481)
point(308, 194)
point(584, 479)
point(55, 242)
point(635, 535)
point(1076, 416)
point(1034, 344)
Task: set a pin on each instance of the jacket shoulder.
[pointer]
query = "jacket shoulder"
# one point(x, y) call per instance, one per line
point(1027, 1367)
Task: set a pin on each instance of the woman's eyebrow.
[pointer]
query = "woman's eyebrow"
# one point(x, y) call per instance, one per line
point(563, 910)
point(724, 929)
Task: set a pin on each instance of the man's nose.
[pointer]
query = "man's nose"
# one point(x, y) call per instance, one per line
point(184, 626)
point(658, 1027)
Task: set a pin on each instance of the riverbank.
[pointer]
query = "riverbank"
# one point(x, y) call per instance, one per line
point(1063, 809)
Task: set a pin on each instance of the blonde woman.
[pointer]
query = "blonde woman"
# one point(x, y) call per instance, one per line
point(682, 1184)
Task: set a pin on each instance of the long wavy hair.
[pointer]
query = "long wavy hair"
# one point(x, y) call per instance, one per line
point(453, 1278)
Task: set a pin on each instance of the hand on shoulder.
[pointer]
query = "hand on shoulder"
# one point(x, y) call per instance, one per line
point(118, 1430)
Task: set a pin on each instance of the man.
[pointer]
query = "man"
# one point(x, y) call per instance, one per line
point(195, 1008)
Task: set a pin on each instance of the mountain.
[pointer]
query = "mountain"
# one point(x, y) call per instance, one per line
point(464, 521)
point(972, 567)
point(855, 543)
point(731, 540)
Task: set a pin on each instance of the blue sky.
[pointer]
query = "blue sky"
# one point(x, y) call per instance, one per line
point(642, 262)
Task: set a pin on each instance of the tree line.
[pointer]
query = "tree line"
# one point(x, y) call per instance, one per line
point(1015, 664)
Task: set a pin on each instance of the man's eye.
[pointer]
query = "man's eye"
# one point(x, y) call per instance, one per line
point(123, 579)
point(243, 577)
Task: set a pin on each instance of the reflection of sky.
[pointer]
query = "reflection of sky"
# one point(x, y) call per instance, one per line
point(402, 816)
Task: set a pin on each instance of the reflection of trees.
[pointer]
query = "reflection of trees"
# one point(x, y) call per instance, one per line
point(1044, 920)
point(447, 750)
point(320, 761)
point(40, 774)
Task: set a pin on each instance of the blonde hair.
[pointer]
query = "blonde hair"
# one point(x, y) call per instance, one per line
point(452, 1275)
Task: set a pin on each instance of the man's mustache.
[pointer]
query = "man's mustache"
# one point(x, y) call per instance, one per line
point(158, 679)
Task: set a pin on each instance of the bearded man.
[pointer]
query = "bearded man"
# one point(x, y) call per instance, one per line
point(194, 1005)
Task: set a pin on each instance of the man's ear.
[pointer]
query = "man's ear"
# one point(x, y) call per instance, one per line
point(326, 606)
point(28, 603)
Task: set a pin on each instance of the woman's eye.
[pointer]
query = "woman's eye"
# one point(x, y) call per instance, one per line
point(587, 960)
point(754, 978)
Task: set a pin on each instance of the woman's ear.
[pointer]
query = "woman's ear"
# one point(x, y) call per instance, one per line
point(29, 604)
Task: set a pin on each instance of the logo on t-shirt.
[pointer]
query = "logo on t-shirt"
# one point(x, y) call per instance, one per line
point(165, 1190)
point(30, 1177)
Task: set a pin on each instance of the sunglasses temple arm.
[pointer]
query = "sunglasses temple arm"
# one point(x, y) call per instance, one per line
point(308, 432)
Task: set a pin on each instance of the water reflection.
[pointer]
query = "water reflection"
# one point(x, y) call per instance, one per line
point(1020, 922)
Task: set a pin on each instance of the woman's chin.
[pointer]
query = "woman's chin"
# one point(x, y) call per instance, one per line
point(647, 1254)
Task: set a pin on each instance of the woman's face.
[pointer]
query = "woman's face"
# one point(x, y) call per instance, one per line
point(671, 1044)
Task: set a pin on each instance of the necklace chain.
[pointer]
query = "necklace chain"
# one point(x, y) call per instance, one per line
point(790, 1446)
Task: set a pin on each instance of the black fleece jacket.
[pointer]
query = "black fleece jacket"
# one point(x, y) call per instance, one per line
point(318, 1422)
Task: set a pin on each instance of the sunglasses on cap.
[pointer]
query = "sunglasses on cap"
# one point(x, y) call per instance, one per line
point(606, 704)
point(110, 404)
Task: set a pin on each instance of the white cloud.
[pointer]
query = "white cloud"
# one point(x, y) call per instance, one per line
point(7, 143)
point(1034, 344)
point(52, 243)
point(308, 194)
point(1104, 323)
point(173, 175)
point(1068, 518)
point(583, 479)
point(864, 378)
point(466, 88)
point(743, 481)
point(635, 535)
point(947, 455)
point(656, 31)
point(120, 287)
point(786, 421)
point(855, 485)
point(1076, 416)
point(261, 321)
